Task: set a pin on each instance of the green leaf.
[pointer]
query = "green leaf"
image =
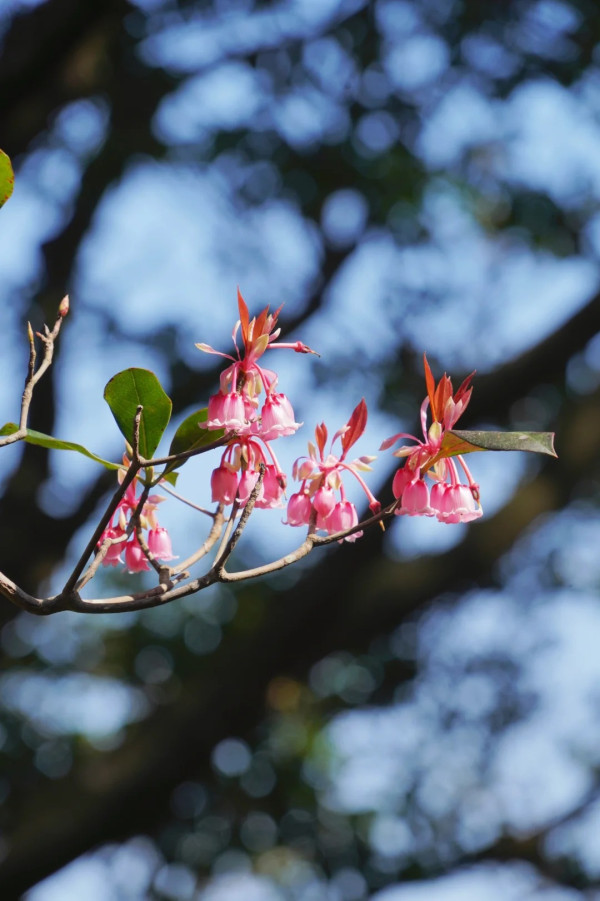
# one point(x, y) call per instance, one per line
point(55, 444)
point(7, 178)
point(192, 436)
point(458, 441)
point(134, 387)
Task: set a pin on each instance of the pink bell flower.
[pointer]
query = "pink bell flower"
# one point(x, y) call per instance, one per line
point(247, 482)
point(401, 479)
point(449, 501)
point(324, 500)
point(113, 554)
point(226, 411)
point(455, 503)
point(224, 485)
point(342, 517)
point(415, 499)
point(235, 406)
point(158, 539)
point(299, 509)
point(135, 559)
point(159, 544)
point(277, 417)
point(273, 488)
point(321, 474)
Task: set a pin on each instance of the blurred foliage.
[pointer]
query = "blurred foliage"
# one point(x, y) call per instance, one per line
point(7, 178)
point(404, 174)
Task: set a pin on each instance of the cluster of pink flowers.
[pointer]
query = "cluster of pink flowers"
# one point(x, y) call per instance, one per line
point(450, 500)
point(239, 408)
point(321, 478)
point(158, 540)
point(433, 480)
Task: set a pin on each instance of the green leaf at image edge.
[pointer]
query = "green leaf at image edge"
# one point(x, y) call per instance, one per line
point(48, 441)
point(191, 435)
point(7, 178)
point(139, 387)
point(456, 441)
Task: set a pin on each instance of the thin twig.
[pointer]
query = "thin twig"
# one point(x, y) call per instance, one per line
point(158, 567)
point(135, 453)
point(184, 455)
point(154, 597)
point(311, 541)
point(293, 557)
point(228, 529)
point(211, 540)
point(165, 593)
point(184, 500)
point(33, 375)
point(224, 554)
point(99, 557)
point(91, 545)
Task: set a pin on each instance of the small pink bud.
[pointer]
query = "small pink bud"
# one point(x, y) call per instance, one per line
point(304, 470)
point(301, 348)
point(63, 307)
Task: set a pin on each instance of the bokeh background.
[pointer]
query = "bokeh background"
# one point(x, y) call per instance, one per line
point(415, 717)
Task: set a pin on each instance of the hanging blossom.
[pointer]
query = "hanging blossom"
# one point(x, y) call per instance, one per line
point(239, 407)
point(451, 498)
point(158, 539)
point(321, 478)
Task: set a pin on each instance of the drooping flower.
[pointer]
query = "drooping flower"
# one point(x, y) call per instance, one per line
point(237, 409)
point(321, 476)
point(449, 500)
point(135, 559)
point(236, 406)
point(159, 542)
point(238, 473)
point(299, 509)
point(224, 484)
point(113, 554)
point(343, 516)
point(277, 417)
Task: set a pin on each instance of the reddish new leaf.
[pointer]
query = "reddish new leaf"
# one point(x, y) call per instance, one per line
point(244, 316)
point(355, 426)
point(430, 383)
point(321, 437)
